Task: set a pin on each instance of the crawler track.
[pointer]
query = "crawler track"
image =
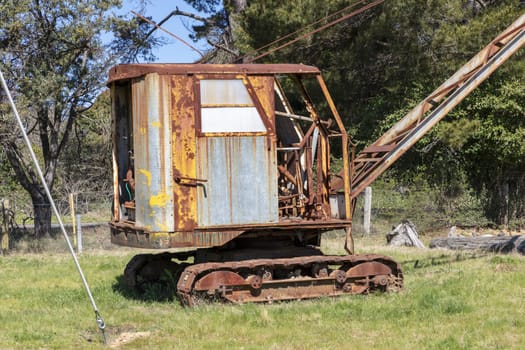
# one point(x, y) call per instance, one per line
point(267, 280)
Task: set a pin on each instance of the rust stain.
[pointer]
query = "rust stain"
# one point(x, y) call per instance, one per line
point(130, 71)
point(263, 86)
point(183, 117)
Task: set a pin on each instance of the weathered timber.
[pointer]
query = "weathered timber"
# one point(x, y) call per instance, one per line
point(404, 234)
point(497, 244)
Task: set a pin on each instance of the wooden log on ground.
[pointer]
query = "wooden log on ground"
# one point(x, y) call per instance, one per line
point(496, 244)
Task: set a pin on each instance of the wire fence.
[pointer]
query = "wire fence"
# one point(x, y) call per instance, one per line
point(94, 205)
point(429, 210)
point(91, 209)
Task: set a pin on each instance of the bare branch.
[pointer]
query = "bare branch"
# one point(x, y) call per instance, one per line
point(222, 47)
point(482, 3)
point(178, 12)
point(167, 32)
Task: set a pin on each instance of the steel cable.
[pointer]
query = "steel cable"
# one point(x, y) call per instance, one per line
point(100, 321)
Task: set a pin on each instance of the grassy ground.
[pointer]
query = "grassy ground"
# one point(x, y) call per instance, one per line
point(450, 301)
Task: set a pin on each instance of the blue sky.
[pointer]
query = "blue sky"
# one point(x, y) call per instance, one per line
point(173, 51)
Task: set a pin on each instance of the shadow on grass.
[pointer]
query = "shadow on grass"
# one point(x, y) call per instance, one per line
point(442, 260)
point(22, 239)
point(161, 291)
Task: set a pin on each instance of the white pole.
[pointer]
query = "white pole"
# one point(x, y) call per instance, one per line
point(367, 209)
point(73, 222)
point(5, 226)
point(79, 234)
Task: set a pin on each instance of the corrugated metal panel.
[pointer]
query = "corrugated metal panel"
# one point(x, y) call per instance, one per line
point(152, 150)
point(241, 185)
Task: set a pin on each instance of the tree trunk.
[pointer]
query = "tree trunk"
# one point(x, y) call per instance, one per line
point(496, 244)
point(498, 209)
point(42, 212)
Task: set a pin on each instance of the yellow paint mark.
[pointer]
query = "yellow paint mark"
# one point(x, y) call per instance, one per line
point(147, 174)
point(161, 238)
point(156, 124)
point(159, 200)
point(162, 227)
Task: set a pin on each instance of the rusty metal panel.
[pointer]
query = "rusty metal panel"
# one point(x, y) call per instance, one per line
point(184, 151)
point(129, 71)
point(264, 89)
point(152, 153)
point(241, 181)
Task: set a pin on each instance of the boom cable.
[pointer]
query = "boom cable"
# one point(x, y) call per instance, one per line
point(278, 40)
point(323, 27)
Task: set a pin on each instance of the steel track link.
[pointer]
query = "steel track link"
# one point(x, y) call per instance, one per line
point(357, 274)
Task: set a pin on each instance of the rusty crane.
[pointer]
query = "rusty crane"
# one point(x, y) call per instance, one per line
point(214, 159)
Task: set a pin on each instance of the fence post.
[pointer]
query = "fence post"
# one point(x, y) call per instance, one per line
point(79, 234)
point(506, 197)
point(72, 210)
point(5, 227)
point(367, 210)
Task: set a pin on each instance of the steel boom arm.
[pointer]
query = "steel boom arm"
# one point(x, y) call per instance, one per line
point(373, 161)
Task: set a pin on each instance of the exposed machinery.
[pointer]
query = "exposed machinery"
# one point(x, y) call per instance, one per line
point(214, 159)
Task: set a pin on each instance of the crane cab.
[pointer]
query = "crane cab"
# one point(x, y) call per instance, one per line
point(205, 154)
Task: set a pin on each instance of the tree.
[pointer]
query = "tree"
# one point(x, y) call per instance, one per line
point(478, 146)
point(494, 153)
point(56, 54)
point(87, 157)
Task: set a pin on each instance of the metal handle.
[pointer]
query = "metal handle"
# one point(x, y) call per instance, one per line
point(188, 181)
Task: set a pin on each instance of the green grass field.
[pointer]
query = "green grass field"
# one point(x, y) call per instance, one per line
point(450, 301)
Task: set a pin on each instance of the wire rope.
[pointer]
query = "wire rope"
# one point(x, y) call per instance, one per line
point(100, 321)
